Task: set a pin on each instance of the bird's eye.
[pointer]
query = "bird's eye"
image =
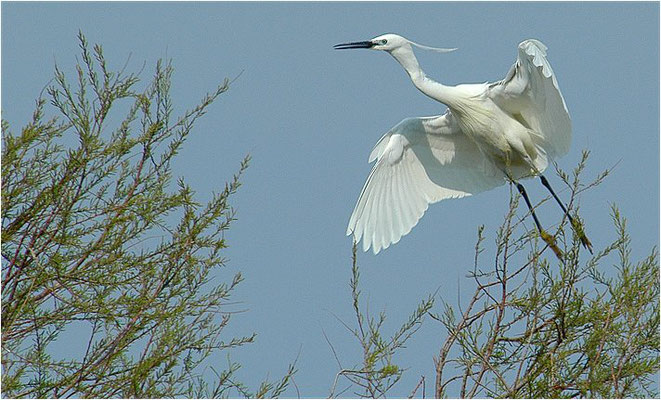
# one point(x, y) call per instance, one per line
point(384, 41)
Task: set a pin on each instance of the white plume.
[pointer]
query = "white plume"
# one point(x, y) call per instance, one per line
point(436, 49)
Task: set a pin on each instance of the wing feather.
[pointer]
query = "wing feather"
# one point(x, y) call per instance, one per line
point(530, 89)
point(418, 162)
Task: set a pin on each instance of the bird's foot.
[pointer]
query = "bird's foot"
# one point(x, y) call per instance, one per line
point(550, 241)
point(577, 225)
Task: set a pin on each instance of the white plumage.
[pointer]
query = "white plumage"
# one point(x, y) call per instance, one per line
point(490, 133)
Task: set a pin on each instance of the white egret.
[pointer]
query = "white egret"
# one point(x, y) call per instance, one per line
point(491, 133)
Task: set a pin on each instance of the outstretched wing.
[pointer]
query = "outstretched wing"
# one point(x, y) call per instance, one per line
point(530, 92)
point(418, 162)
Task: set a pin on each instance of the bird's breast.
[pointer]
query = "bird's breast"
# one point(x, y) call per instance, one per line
point(480, 124)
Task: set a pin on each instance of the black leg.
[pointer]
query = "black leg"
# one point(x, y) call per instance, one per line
point(532, 211)
point(550, 240)
point(577, 227)
point(548, 186)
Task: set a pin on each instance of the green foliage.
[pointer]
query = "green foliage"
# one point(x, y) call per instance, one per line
point(377, 373)
point(541, 323)
point(539, 327)
point(96, 238)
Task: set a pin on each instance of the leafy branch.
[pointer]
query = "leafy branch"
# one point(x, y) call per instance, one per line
point(97, 239)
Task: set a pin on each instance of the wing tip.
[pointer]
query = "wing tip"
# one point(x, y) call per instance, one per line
point(534, 42)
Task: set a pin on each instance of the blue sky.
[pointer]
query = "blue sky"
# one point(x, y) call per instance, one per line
point(309, 116)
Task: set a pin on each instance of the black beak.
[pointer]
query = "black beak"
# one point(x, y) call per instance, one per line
point(354, 45)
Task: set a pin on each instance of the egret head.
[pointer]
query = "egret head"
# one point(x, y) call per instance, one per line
point(388, 42)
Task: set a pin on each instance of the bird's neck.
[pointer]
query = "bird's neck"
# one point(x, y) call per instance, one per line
point(437, 91)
